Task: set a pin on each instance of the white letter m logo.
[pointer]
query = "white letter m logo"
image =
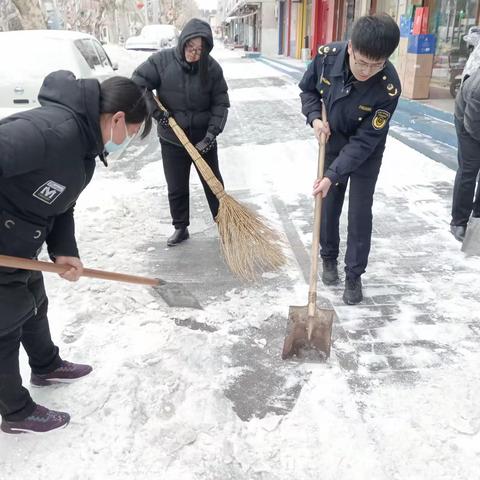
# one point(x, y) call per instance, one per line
point(49, 192)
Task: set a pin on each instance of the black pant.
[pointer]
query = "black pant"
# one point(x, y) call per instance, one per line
point(34, 335)
point(176, 165)
point(463, 203)
point(362, 188)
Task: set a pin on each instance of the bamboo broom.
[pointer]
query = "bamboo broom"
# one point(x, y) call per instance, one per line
point(249, 245)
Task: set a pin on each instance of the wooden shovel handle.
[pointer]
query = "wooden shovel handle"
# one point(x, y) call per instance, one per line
point(39, 266)
point(317, 218)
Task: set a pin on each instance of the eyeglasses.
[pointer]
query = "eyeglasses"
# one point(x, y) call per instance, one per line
point(369, 67)
point(192, 49)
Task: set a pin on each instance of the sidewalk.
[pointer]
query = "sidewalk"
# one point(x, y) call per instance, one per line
point(193, 395)
point(410, 352)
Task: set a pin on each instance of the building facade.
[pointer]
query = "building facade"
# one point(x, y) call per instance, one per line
point(296, 28)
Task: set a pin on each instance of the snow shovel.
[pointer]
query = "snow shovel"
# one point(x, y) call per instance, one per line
point(174, 294)
point(471, 242)
point(309, 328)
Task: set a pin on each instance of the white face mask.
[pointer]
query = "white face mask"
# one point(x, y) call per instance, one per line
point(112, 147)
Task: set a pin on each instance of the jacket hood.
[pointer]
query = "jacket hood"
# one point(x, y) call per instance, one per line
point(81, 96)
point(195, 28)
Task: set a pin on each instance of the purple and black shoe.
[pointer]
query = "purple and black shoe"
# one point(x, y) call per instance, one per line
point(41, 420)
point(67, 372)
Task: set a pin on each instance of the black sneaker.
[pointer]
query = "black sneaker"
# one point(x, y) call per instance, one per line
point(353, 291)
point(330, 272)
point(41, 420)
point(67, 372)
point(178, 236)
point(458, 231)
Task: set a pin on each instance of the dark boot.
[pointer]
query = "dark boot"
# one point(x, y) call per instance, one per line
point(353, 291)
point(458, 231)
point(330, 272)
point(178, 236)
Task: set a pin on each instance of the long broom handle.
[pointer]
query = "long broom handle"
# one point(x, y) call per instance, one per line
point(39, 266)
point(317, 218)
point(204, 169)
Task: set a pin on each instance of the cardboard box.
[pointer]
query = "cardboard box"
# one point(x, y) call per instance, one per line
point(403, 46)
point(400, 66)
point(418, 65)
point(416, 88)
point(420, 21)
point(422, 44)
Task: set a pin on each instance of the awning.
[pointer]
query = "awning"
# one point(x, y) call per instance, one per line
point(240, 17)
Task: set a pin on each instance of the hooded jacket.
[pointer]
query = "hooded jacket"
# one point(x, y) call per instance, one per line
point(196, 107)
point(47, 157)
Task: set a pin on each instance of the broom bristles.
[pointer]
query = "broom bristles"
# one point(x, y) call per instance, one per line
point(249, 245)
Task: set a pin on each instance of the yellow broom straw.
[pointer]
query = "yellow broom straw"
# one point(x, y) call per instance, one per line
point(249, 245)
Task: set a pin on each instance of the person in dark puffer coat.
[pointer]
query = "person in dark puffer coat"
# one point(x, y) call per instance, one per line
point(191, 85)
point(47, 158)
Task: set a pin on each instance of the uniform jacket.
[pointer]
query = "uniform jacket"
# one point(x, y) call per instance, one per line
point(47, 157)
point(467, 105)
point(195, 106)
point(358, 112)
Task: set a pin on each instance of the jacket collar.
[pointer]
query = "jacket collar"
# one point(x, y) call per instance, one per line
point(340, 69)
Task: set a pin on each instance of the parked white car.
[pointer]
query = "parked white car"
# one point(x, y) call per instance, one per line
point(154, 37)
point(28, 56)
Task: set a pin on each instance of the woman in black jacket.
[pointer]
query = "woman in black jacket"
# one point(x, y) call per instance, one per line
point(47, 157)
point(190, 83)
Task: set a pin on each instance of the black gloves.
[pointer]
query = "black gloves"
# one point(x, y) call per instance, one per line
point(161, 116)
point(208, 142)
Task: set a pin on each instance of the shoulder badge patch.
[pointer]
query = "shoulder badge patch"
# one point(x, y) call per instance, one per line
point(327, 50)
point(392, 90)
point(380, 119)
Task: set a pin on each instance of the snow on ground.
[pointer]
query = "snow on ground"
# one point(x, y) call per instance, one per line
point(155, 405)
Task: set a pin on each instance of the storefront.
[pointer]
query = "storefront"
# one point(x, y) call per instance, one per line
point(450, 21)
point(309, 23)
point(282, 27)
point(295, 27)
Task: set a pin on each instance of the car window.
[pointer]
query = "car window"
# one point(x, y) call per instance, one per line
point(102, 55)
point(88, 52)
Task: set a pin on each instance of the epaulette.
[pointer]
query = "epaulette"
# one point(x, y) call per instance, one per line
point(392, 90)
point(328, 50)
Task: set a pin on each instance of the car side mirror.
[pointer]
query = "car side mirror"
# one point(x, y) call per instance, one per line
point(115, 65)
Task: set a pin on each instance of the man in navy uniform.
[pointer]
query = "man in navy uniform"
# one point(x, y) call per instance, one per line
point(360, 89)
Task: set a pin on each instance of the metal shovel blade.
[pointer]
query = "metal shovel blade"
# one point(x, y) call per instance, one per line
point(176, 295)
point(317, 348)
point(471, 242)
